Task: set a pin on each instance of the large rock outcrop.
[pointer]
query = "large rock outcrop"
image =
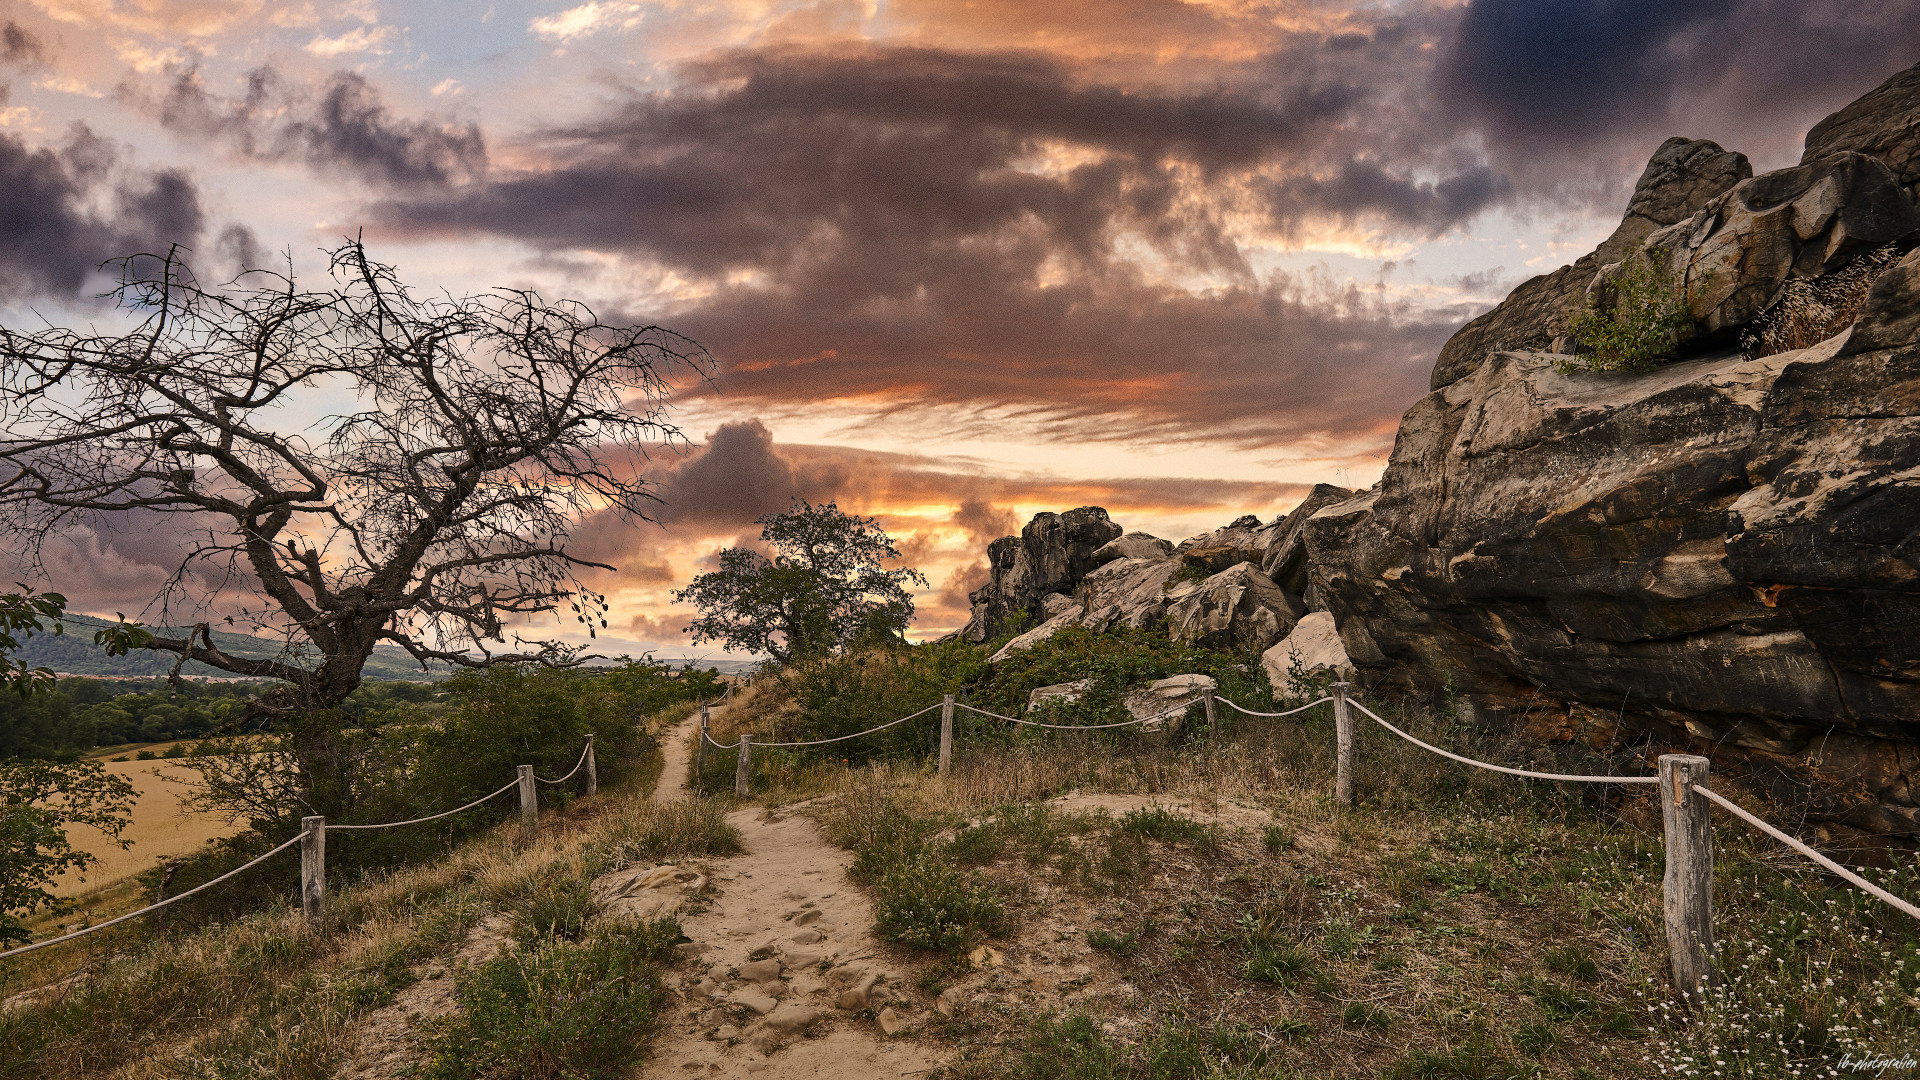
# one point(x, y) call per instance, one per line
point(1683, 176)
point(1050, 555)
point(1721, 550)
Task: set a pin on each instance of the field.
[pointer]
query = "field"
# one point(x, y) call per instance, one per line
point(161, 827)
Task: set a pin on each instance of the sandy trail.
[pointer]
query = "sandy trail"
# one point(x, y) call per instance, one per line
point(785, 981)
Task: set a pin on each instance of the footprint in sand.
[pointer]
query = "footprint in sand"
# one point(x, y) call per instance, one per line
point(784, 982)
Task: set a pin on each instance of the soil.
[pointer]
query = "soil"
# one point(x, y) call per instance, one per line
point(784, 979)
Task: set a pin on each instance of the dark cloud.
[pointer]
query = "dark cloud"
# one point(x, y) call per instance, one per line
point(343, 124)
point(21, 46)
point(51, 237)
point(1557, 77)
point(737, 478)
point(712, 497)
point(934, 228)
point(985, 522)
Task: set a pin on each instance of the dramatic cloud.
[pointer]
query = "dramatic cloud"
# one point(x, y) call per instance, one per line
point(52, 233)
point(918, 227)
point(343, 124)
point(1556, 77)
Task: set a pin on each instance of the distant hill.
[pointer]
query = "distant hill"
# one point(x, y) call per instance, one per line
point(74, 653)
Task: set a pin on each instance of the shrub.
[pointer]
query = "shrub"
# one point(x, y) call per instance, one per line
point(1638, 316)
point(568, 1010)
point(553, 909)
point(924, 904)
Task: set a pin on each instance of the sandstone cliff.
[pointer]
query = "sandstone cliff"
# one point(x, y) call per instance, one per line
point(1725, 550)
point(1722, 553)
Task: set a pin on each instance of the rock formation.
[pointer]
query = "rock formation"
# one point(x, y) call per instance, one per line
point(1721, 550)
point(1722, 553)
point(1050, 555)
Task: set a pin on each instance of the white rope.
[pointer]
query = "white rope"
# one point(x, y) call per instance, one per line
point(1809, 852)
point(396, 824)
point(715, 745)
point(569, 776)
point(855, 735)
point(1289, 712)
point(153, 907)
point(1088, 727)
point(1503, 768)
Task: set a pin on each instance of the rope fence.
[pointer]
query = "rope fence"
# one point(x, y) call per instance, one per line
point(1688, 885)
point(312, 839)
point(1687, 888)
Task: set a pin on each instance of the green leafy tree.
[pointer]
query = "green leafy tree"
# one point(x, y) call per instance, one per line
point(38, 800)
point(824, 588)
point(1635, 317)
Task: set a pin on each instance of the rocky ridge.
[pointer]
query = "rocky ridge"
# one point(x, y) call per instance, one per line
point(1719, 553)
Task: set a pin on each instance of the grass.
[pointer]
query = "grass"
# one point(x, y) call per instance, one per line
point(262, 995)
point(563, 1009)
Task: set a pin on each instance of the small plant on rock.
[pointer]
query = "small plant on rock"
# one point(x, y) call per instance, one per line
point(1633, 318)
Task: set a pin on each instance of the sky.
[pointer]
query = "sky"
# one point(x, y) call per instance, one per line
point(958, 261)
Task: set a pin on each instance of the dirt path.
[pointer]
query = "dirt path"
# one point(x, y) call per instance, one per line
point(785, 980)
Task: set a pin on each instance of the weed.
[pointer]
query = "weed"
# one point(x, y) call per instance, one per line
point(1276, 839)
point(1279, 965)
point(1120, 945)
point(925, 904)
point(1537, 1039)
point(1574, 962)
point(572, 1010)
point(1638, 317)
point(1160, 823)
point(553, 909)
point(1360, 1014)
point(1560, 1003)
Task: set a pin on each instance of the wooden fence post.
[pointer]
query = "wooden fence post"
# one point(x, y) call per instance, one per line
point(529, 805)
point(744, 766)
point(946, 733)
point(700, 755)
point(313, 869)
point(726, 698)
point(593, 768)
point(1687, 893)
point(1343, 743)
point(1206, 698)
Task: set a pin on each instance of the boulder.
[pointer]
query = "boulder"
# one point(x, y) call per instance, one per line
point(1134, 545)
point(1062, 692)
point(1734, 256)
point(1717, 552)
point(1050, 555)
point(1127, 592)
point(1313, 647)
point(1243, 540)
point(1681, 177)
point(1880, 125)
point(1237, 608)
point(1286, 558)
point(1159, 697)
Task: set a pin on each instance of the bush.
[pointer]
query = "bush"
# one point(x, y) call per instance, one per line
point(1638, 317)
point(568, 1010)
point(923, 903)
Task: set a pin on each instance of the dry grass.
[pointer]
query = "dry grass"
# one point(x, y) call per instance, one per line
point(162, 828)
point(265, 996)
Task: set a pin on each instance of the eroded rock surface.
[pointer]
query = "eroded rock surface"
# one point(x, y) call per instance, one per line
point(1049, 556)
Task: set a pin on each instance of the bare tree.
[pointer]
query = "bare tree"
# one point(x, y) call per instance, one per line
point(433, 516)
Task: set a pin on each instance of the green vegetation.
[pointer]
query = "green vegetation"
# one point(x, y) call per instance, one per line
point(561, 1009)
point(1632, 319)
point(38, 801)
point(824, 590)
